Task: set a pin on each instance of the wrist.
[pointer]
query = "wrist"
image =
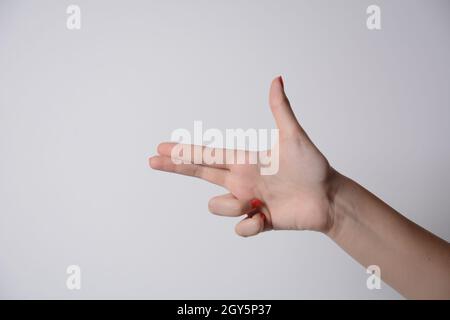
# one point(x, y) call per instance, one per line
point(342, 206)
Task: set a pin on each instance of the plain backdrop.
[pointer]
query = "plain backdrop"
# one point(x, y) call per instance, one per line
point(81, 111)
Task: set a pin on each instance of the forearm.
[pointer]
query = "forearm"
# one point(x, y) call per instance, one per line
point(412, 260)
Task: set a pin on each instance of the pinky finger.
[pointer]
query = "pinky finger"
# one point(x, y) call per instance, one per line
point(251, 226)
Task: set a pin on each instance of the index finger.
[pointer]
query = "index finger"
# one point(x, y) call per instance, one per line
point(190, 153)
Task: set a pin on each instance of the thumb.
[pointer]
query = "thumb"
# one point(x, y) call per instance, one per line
point(281, 109)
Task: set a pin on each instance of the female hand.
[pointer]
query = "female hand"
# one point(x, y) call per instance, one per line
point(298, 196)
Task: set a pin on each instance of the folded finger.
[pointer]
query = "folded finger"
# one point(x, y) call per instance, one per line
point(229, 205)
point(251, 226)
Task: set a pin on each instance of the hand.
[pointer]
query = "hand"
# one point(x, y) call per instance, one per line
point(298, 196)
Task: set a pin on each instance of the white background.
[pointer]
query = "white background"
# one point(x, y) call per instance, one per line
point(81, 111)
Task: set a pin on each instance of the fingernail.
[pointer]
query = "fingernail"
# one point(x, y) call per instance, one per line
point(282, 82)
point(256, 203)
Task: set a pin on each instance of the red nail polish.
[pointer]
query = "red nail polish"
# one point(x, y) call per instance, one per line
point(256, 203)
point(282, 82)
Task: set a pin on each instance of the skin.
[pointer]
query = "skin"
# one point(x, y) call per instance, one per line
point(308, 194)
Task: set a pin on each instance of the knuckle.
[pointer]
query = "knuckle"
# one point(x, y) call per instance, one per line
point(238, 207)
point(197, 171)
